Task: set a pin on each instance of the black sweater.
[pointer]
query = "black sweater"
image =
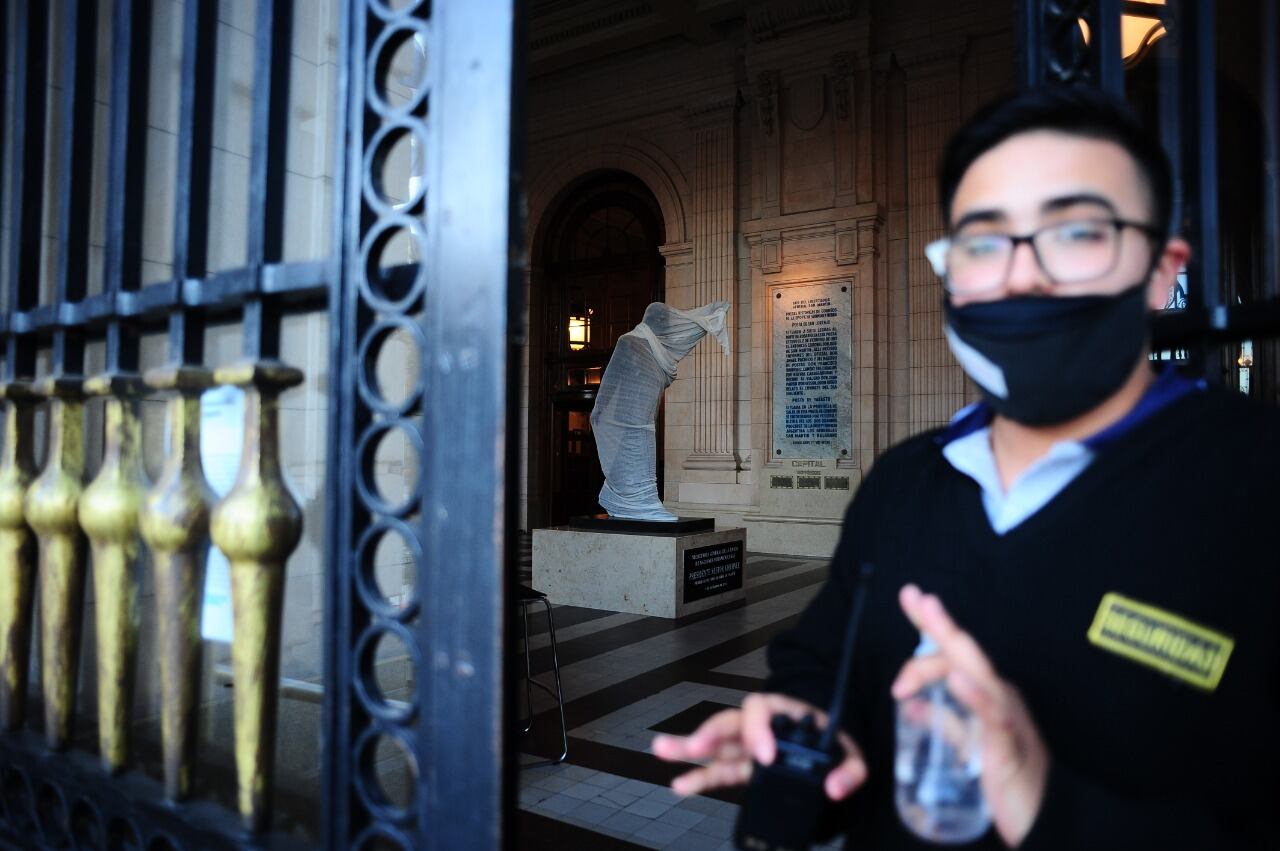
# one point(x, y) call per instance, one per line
point(1179, 513)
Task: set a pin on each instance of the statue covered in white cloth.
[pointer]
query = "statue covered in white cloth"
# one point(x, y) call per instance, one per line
point(642, 366)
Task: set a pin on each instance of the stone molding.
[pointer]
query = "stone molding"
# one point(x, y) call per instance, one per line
point(842, 69)
point(868, 229)
point(677, 253)
point(713, 113)
point(590, 26)
point(847, 125)
point(646, 161)
point(769, 21)
point(767, 250)
point(792, 221)
point(925, 60)
point(846, 243)
point(807, 100)
point(712, 461)
point(771, 254)
point(856, 240)
point(768, 84)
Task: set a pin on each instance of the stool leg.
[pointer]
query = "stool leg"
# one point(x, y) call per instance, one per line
point(527, 721)
point(555, 667)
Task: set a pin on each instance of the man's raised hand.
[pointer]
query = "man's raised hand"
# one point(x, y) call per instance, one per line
point(727, 742)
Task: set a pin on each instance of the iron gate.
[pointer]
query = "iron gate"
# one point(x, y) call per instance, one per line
point(431, 270)
point(1052, 50)
point(449, 299)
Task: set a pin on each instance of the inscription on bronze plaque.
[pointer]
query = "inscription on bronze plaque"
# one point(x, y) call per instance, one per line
point(812, 371)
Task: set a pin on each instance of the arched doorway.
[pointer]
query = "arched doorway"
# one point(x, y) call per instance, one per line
point(601, 268)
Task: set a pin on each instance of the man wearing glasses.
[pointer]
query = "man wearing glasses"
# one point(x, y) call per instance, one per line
point(1126, 670)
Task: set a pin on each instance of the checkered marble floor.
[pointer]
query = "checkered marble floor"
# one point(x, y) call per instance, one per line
point(627, 677)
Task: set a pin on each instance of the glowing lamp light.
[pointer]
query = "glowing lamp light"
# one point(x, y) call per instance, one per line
point(1138, 32)
point(579, 332)
point(1246, 355)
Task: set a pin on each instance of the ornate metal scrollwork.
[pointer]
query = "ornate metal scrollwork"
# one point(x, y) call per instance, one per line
point(1066, 52)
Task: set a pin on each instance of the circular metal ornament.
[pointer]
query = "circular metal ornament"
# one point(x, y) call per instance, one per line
point(388, 12)
point(15, 792)
point(380, 58)
point(365, 451)
point(366, 783)
point(123, 835)
point(372, 834)
point(51, 815)
point(86, 825)
point(366, 376)
point(366, 582)
point(365, 685)
point(371, 279)
point(376, 153)
point(163, 842)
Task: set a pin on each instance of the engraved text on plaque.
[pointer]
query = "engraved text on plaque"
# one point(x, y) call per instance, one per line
point(812, 370)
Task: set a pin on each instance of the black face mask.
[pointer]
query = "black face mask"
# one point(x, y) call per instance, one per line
point(1043, 360)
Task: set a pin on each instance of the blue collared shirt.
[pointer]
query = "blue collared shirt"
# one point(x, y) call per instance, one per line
point(966, 444)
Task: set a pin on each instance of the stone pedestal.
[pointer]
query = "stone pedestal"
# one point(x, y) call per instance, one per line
point(666, 575)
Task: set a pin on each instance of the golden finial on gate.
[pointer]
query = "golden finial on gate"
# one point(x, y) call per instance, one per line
point(51, 506)
point(109, 512)
point(175, 525)
point(257, 526)
point(17, 553)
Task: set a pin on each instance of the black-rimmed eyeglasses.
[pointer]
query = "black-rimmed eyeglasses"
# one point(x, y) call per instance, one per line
point(1071, 252)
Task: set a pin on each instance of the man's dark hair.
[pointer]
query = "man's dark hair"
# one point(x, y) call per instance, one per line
point(1074, 110)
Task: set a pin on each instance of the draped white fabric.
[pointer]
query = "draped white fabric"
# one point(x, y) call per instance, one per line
point(642, 366)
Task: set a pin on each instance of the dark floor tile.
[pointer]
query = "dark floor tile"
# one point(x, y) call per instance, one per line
point(538, 833)
point(684, 723)
point(575, 650)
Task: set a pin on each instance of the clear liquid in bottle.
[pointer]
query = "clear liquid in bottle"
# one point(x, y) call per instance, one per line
point(938, 767)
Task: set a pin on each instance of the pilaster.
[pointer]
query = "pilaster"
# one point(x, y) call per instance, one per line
point(714, 277)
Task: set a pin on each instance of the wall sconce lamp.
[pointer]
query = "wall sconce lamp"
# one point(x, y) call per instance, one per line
point(580, 331)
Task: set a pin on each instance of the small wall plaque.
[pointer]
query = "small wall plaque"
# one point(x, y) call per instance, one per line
point(812, 334)
point(836, 483)
point(787, 482)
point(808, 482)
point(712, 570)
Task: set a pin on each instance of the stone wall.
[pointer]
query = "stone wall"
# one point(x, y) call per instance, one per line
point(800, 146)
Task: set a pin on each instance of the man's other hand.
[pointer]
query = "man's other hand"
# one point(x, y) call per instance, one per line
point(1015, 762)
point(727, 742)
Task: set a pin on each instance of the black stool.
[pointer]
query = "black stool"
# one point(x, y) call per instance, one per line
point(526, 597)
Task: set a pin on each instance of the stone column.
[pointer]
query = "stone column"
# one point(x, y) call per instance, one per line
point(933, 98)
point(714, 276)
point(676, 443)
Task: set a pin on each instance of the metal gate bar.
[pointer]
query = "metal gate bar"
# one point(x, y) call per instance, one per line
point(453, 307)
point(1052, 52)
point(452, 300)
point(257, 525)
